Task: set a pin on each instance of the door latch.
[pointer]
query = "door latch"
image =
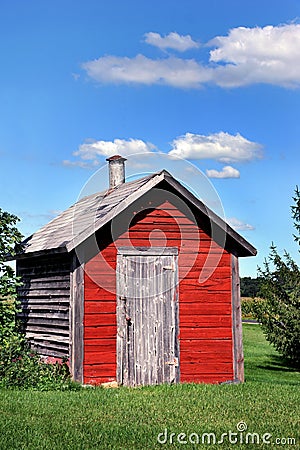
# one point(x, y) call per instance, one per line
point(169, 268)
point(174, 362)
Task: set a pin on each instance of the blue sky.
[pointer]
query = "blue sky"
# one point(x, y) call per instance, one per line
point(215, 83)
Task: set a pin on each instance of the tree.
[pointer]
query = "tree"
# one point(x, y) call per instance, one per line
point(19, 366)
point(249, 286)
point(279, 311)
point(296, 214)
point(10, 238)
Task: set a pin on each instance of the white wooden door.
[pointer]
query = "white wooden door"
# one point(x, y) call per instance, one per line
point(147, 316)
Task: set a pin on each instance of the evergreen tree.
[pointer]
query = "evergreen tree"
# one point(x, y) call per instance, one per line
point(279, 312)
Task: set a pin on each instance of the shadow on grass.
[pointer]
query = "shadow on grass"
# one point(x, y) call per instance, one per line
point(278, 363)
point(263, 363)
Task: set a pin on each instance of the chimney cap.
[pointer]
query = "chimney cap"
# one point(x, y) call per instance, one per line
point(116, 158)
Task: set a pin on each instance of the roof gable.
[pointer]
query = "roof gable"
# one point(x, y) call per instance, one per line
point(88, 215)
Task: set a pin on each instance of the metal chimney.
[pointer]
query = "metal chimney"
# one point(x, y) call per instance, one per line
point(116, 170)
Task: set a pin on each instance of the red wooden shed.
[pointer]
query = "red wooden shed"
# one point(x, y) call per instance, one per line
point(138, 284)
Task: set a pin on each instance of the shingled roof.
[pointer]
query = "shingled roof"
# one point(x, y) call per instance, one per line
point(91, 213)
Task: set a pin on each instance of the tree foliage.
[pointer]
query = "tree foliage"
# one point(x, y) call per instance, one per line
point(250, 287)
point(10, 238)
point(296, 214)
point(279, 311)
point(20, 367)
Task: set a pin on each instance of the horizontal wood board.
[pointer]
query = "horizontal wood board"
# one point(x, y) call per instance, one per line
point(45, 303)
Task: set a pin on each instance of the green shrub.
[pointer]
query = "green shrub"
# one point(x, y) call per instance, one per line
point(247, 307)
point(19, 366)
point(22, 368)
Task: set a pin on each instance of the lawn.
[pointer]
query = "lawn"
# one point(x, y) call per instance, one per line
point(268, 402)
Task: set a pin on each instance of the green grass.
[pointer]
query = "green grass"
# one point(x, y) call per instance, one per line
point(268, 402)
point(262, 362)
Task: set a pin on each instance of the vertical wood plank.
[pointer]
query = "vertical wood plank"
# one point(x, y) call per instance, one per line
point(159, 324)
point(174, 300)
point(121, 319)
point(153, 321)
point(150, 320)
point(238, 354)
point(166, 317)
point(77, 315)
point(132, 284)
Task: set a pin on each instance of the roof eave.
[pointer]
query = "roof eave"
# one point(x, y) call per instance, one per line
point(48, 251)
point(243, 247)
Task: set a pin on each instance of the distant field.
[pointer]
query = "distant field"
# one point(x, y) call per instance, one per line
point(268, 402)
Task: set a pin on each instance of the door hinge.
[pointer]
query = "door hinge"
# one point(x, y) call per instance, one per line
point(174, 362)
point(169, 268)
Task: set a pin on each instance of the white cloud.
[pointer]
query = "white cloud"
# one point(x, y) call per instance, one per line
point(49, 215)
point(55, 212)
point(90, 150)
point(81, 164)
point(258, 55)
point(245, 56)
point(221, 146)
point(75, 76)
point(238, 225)
point(172, 40)
point(177, 72)
point(226, 172)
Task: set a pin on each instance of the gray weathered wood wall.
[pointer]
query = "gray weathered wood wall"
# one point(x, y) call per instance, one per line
point(76, 319)
point(45, 300)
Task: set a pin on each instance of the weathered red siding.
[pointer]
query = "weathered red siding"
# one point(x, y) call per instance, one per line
point(205, 322)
